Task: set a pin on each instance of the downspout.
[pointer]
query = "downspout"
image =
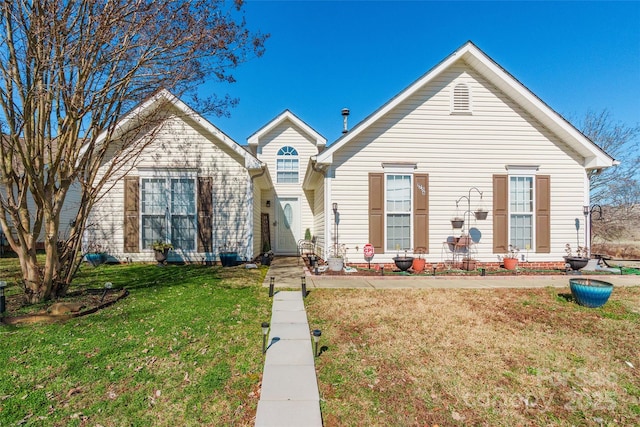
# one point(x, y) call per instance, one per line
point(263, 168)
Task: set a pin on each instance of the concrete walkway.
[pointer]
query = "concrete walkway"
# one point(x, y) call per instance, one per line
point(289, 394)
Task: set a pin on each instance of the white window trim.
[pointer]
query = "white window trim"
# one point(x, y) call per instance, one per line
point(152, 173)
point(288, 156)
point(522, 173)
point(399, 169)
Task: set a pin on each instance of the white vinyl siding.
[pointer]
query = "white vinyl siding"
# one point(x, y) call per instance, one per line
point(521, 211)
point(287, 134)
point(398, 212)
point(182, 145)
point(458, 152)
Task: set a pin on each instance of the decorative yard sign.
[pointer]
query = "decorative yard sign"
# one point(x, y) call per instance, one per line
point(368, 253)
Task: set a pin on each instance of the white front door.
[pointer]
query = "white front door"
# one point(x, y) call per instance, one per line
point(287, 226)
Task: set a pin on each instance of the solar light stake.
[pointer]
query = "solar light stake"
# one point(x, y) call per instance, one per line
point(304, 286)
point(271, 285)
point(3, 285)
point(265, 331)
point(316, 338)
point(434, 271)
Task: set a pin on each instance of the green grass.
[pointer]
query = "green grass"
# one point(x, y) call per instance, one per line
point(182, 349)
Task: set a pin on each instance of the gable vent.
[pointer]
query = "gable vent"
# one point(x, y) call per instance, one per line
point(461, 102)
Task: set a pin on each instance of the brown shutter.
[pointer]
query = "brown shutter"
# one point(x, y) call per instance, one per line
point(376, 211)
point(500, 213)
point(131, 214)
point(543, 214)
point(421, 212)
point(205, 213)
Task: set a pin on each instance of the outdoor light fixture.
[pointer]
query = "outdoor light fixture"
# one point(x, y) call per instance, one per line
point(3, 285)
point(304, 286)
point(335, 208)
point(316, 337)
point(265, 331)
point(268, 203)
point(585, 210)
point(271, 285)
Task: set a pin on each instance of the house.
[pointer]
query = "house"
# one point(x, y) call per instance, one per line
point(190, 184)
point(465, 135)
point(464, 138)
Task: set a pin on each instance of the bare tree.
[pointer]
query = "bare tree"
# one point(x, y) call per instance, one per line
point(69, 69)
point(621, 142)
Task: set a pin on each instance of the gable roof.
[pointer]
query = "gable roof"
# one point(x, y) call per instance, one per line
point(320, 140)
point(595, 157)
point(159, 100)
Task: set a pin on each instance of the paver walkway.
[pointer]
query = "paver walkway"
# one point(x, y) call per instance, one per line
point(289, 394)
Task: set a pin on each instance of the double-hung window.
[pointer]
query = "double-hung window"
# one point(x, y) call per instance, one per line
point(287, 165)
point(168, 211)
point(398, 211)
point(521, 211)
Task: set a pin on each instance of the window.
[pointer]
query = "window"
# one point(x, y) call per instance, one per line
point(521, 211)
point(398, 211)
point(461, 100)
point(168, 211)
point(287, 166)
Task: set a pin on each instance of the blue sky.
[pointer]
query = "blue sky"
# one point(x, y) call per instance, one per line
point(323, 56)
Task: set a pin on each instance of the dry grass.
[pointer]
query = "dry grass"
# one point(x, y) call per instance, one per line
point(465, 357)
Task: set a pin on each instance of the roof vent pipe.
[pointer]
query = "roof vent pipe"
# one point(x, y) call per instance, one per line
point(345, 114)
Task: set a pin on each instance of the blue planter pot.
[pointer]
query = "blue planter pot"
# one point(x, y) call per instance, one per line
point(95, 259)
point(590, 292)
point(229, 259)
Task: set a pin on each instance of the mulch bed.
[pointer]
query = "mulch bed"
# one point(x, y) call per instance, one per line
point(91, 300)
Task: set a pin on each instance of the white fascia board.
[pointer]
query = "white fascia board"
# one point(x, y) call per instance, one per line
point(320, 141)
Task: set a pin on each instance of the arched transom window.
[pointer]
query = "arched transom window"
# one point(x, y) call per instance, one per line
point(287, 165)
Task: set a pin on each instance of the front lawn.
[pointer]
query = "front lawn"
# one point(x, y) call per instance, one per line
point(455, 357)
point(184, 348)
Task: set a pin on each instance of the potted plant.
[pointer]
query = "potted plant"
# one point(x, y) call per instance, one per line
point(590, 292)
point(228, 255)
point(577, 261)
point(336, 261)
point(403, 263)
point(457, 222)
point(267, 255)
point(161, 250)
point(469, 264)
point(481, 214)
point(510, 259)
point(418, 263)
point(95, 255)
